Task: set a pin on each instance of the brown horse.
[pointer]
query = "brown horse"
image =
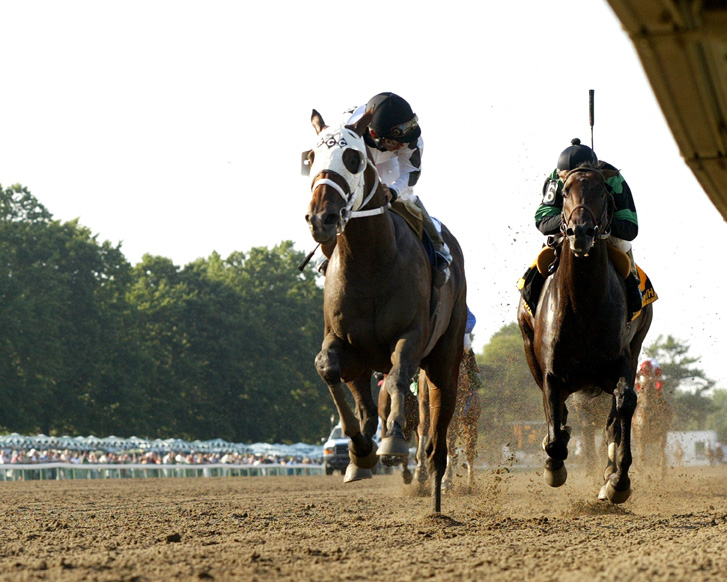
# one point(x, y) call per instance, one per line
point(579, 338)
point(463, 426)
point(380, 309)
point(652, 419)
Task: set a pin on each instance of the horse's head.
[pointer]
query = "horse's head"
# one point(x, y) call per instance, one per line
point(587, 208)
point(338, 168)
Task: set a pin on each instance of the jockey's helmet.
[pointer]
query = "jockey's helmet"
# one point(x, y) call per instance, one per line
point(650, 367)
point(575, 155)
point(393, 119)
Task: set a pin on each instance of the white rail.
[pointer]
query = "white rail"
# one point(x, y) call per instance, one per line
point(58, 471)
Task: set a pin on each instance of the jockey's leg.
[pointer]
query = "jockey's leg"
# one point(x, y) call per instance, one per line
point(633, 292)
point(441, 250)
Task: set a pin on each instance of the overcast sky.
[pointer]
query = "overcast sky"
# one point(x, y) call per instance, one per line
point(176, 128)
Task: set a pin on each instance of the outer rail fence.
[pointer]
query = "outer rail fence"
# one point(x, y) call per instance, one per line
point(61, 471)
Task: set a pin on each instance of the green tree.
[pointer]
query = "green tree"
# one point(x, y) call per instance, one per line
point(58, 287)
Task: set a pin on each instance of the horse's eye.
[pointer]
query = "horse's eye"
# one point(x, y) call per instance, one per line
point(353, 159)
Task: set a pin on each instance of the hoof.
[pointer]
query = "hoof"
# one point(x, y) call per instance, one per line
point(557, 477)
point(391, 461)
point(609, 493)
point(354, 473)
point(407, 476)
point(393, 446)
point(367, 462)
point(420, 475)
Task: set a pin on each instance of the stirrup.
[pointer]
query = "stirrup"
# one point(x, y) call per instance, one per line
point(442, 258)
point(440, 277)
point(322, 265)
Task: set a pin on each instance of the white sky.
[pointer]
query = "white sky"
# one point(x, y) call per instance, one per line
point(176, 127)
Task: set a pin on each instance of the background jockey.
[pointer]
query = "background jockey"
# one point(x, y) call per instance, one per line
point(624, 225)
point(650, 369)
point(394, 138)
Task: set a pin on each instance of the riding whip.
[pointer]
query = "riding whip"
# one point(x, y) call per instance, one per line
point(305, 261)
point(590, 111)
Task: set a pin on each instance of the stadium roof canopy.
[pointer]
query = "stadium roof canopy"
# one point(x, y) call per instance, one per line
point(682, 45)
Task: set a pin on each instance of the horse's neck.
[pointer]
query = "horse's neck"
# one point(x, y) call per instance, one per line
point(368, 241)
point(587, 276)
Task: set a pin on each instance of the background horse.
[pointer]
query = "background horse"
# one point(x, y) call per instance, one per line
point(380, 309)
point(652, 419)
point(462, 428)
point(590, 410)
point(579, 338)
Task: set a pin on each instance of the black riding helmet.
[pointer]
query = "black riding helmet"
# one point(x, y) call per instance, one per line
point(393, 119)
point(576, 155)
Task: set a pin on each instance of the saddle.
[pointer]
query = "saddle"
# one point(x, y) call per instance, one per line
point(413, 217)
point(531, 283)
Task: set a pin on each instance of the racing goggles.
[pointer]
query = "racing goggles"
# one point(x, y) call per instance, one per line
point(395, 134)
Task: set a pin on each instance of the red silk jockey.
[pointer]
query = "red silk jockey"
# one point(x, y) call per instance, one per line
point(650, 369)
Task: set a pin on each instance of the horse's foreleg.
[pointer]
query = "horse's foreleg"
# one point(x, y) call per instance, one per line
point(617, 488)
point(362, 447)
point(397, 382)
point(555, 443)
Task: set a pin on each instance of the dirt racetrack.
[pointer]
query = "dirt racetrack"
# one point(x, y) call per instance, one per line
point(513, 527)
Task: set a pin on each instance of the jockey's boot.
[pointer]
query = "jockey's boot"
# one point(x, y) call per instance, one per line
point(633, 292)
point(442, 256)
point(633, 296)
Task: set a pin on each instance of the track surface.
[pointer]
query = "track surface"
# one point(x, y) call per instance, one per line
point(513, 527)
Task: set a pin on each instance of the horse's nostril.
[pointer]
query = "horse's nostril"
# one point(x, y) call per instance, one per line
point(590, 232)
point(307, 218)
point(330, 219)
point(569, 232)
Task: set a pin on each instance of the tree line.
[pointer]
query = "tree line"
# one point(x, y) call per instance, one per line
point(90, 344)
point(223, 347)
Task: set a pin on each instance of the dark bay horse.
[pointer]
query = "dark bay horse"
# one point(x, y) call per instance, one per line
point(652, 419)
point(579, 338)
point(380, 310)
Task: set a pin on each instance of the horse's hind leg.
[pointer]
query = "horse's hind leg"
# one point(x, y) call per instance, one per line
point(471, 450)
point(617, 488)
point(420, 473)
point(442, 400)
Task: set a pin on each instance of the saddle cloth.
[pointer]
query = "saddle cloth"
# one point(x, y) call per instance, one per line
point(620, 261)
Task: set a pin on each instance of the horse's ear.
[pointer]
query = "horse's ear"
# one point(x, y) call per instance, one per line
point(363, 122)
point(317, 121)
point(608, 173)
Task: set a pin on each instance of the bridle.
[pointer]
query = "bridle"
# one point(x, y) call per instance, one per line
point(329, 154)
point(601, 223)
